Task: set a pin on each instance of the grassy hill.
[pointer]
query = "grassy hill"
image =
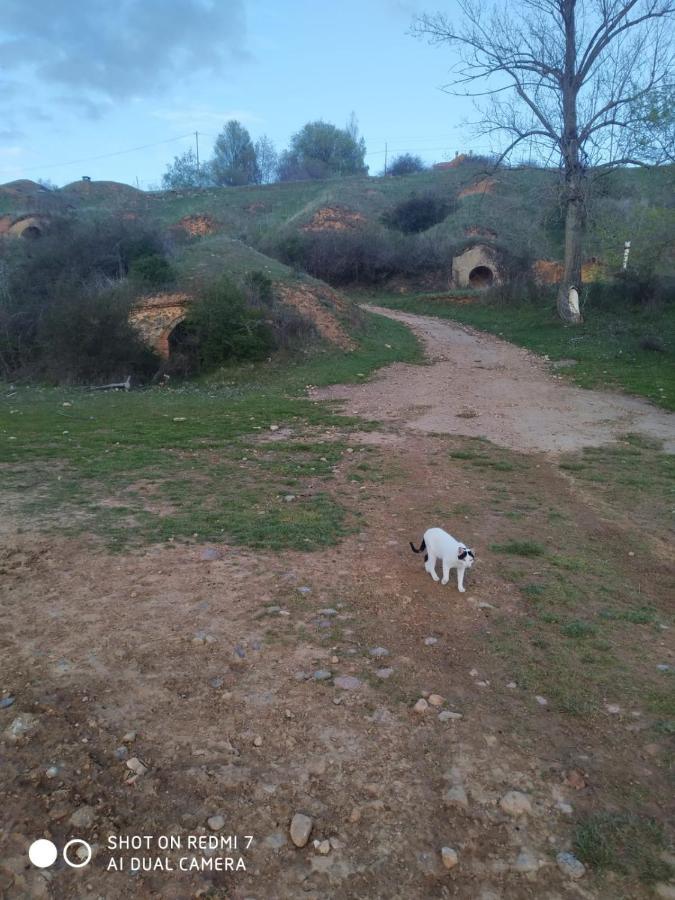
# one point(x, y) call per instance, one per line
point(519, 209)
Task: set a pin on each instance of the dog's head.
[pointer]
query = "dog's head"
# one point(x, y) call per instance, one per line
point(467, 556)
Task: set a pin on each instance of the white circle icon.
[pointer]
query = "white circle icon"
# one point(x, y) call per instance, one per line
point(77, 865)
point(42, 853)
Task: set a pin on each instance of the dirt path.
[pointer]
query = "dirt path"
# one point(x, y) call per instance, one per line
point(479, 385)
point(257, 686)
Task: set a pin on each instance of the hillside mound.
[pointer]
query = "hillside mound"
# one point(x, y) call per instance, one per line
point(102, 190)
point(22, 189)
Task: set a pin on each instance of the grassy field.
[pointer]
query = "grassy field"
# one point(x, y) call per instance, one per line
point(144, 466)
point(605, 348)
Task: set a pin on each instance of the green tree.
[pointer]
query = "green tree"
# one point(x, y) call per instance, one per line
point(234, 159)
point(321, 150)
point(184, 172)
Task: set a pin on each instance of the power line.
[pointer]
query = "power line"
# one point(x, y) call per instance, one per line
point(77, 162)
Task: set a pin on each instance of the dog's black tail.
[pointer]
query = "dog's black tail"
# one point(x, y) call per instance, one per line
point(423, 547)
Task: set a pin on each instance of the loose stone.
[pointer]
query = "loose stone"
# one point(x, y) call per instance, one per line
point(347, 682)
point(448, 716)
point(450, 857)
point(322, 675)
point(456, 796)
point(515, 803)
point(571, 866)
point(301, 826)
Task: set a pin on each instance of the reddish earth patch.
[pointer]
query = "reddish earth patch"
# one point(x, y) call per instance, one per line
point(198, 225)
point(319, 304)
point(334, 218)
point(549, 271)
point(459, 160)
point(484, 186)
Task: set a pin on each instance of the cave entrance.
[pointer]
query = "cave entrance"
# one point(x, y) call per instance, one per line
point(481, 277)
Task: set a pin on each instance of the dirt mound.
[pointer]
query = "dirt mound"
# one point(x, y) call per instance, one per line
point(479, 231)
point(198, 225)
point(334, 218)
point(20, 189)
point(318, 304)
point(5, 223)
point(547, 271)
point(459, 160)
point(103, 189)
point(484, 186)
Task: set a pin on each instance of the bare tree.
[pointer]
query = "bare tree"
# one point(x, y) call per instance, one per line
point(565, 76)
point(267, 159)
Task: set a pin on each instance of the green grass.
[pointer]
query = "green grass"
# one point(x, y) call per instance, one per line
point(625, 843)
point(519, 548)
point(606, 346)
point(160, 464)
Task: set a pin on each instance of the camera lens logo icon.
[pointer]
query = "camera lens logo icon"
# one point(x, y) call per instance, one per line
point(42, 853)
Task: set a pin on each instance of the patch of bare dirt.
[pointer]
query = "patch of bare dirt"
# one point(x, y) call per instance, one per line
point(548, 271)
point(479, 231)
point(198, 225)
point(256, 207)
point(318, 304)
point(525, 408)
point(484, 186)
point(334, 218)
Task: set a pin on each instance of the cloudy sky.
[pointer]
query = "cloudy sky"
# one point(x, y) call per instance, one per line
point(81, 81)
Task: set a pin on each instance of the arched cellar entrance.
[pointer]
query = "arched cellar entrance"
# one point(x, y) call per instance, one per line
point(481, 277)
point(181, 347)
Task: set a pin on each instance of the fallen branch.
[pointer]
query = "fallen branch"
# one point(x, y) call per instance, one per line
point(126, 384)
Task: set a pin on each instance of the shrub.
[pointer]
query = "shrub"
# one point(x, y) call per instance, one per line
point(632, 287)
point(406, 164)
point(418, 213)
point(221, 328)
point(64, 307)
point(365, 256)
point(152, 271)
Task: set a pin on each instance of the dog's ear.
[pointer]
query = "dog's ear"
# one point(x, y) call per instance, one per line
point(471, 554)
point(461, 553)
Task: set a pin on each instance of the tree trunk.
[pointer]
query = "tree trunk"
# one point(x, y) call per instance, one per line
point(575, 226)
point(575, 195)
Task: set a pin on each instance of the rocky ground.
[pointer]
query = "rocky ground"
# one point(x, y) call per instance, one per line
point(339, 708)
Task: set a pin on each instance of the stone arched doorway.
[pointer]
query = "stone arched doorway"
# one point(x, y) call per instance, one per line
point(476, 267)
point(158, 317)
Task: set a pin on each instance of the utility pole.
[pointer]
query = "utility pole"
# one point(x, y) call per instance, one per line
point(385, 157)
point(197, 143)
